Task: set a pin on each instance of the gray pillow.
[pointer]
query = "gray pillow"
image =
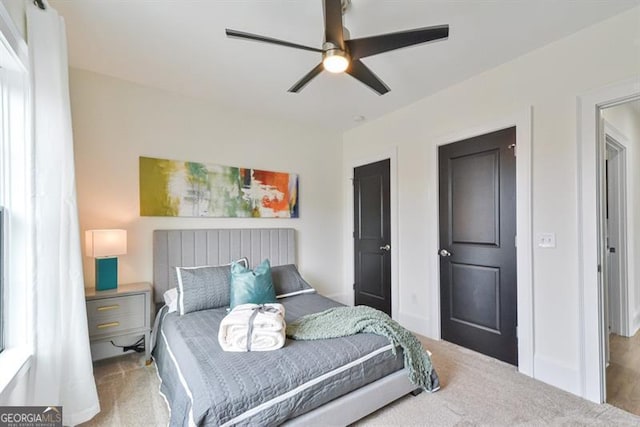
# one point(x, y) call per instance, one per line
point(287, 281)
point(202, 288)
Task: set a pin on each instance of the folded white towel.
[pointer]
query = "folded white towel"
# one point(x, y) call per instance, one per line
point(266, 323)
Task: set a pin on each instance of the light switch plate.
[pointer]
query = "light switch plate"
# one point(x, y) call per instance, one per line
point(546, 240)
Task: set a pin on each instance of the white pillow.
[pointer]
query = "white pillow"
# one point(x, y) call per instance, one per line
point(171, 299)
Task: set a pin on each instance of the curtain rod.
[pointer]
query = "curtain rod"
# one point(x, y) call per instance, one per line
point(39, 4)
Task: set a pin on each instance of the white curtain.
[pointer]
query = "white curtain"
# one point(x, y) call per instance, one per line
point(62, 372)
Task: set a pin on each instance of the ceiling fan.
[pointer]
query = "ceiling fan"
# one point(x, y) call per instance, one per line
point(340, 54)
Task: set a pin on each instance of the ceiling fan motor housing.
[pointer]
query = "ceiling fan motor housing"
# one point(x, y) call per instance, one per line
point(334, 59)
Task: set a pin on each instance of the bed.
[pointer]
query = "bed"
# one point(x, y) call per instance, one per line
point(323, 382)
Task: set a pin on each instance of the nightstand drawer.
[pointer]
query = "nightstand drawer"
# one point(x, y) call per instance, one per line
point(116, 324)
point(115, 307)
point(119, 316)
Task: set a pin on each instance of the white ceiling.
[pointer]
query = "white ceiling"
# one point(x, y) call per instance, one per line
point(180, 46)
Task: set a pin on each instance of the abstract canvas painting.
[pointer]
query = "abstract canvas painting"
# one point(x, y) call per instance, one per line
point(180, 188)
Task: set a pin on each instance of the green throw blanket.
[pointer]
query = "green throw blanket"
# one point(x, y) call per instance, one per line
point(344, 321)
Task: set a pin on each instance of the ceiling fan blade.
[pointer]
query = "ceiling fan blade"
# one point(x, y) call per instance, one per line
point(255, 37)
point(333, 22)
point(307, 78)
point(368, 46)
point(361, 72)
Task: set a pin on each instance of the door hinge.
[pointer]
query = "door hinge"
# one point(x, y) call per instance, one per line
point(514, 148)
point(353, 234)
point(354, 286)
point(599, 268)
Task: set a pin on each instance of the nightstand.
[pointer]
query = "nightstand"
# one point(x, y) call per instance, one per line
point(121, 315)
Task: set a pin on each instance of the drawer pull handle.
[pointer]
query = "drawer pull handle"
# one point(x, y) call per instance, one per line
point(108, 307)
point(108, 325)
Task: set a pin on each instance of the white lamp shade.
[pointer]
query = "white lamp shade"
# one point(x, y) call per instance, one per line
point(100, 243)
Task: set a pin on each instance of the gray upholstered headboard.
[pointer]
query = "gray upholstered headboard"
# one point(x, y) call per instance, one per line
point(190, 248)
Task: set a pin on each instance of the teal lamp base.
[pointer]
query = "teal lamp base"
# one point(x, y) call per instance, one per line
point(106, 273)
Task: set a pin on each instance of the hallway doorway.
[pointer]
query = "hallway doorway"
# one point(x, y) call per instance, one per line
point(594, 332)
point(620, 147)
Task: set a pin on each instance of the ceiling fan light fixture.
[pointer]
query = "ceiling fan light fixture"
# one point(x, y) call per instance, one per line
point(335, 61)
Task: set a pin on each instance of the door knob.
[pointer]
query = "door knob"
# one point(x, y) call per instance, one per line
point(444, 252)
point(385, 247)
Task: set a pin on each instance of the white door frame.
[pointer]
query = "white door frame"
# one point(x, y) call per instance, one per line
point(617, 142)
point(590, 313)
point(522, 121)
point(392, 155)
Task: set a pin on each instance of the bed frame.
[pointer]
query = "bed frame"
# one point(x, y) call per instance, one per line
point(220, 246)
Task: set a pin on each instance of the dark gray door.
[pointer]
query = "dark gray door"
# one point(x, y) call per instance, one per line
point(478, 299)
point(372, 235)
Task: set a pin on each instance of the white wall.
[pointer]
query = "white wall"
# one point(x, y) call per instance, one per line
point(115, 122)
point(626, 119)
point(548, 79)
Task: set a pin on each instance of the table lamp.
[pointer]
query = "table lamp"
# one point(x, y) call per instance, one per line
point(104, 245)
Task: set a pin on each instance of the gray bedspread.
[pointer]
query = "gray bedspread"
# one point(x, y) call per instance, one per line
point(206, 386)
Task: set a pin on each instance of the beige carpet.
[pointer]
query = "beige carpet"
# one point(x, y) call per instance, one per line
point(128, 392)
point(476, 390)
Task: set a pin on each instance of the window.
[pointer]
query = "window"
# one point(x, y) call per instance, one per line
point(16, 255)
point(15, 192)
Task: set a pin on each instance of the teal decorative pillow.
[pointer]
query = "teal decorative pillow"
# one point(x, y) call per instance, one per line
point(251, 286)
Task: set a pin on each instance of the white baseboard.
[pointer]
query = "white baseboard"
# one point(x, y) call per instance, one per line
point(416, 324)
point(635, 324)
point(556, 374)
